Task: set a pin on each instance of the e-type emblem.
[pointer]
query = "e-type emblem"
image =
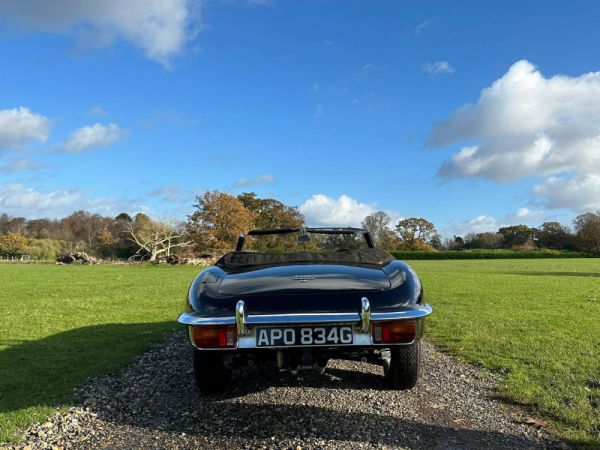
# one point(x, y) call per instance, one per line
point(303, 278)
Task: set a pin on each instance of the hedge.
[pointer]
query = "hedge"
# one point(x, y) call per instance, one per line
point(491, 254)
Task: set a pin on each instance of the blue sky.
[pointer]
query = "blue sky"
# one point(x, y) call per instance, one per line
point(340, 107)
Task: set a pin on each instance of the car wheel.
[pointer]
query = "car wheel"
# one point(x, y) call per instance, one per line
point(212, 376)
point(401, 366)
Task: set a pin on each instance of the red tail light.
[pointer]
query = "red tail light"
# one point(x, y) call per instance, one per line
point(394, 332)
point(223, 336)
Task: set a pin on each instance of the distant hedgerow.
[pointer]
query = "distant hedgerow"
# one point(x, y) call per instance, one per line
point(491, 254)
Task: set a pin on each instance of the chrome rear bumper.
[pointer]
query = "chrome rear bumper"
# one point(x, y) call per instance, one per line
point(272, 319)
point(245, 323)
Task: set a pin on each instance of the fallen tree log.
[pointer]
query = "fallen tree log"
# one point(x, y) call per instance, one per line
point(79, 257)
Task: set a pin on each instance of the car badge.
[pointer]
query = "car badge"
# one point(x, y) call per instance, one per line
point(303, 278)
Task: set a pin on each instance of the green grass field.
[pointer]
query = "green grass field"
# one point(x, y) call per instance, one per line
point(535, 321)
point(62, 324)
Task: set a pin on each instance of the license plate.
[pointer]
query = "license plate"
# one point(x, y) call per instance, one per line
point(303, 335)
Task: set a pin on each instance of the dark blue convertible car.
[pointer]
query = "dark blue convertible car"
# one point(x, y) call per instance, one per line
point(327, 294)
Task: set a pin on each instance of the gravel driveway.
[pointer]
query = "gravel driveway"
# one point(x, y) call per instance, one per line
point(154, 404)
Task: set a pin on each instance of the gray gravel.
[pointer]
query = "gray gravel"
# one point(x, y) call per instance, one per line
point(154, 403)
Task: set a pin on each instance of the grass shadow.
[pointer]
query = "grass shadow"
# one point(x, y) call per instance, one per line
point(552, 274)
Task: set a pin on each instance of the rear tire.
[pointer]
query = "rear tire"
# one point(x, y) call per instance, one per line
point(212, 376)
point(401, 369)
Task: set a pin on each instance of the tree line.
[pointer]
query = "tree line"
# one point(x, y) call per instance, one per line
point(218, 218)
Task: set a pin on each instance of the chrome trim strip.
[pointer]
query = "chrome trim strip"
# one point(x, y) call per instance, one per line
point(273, 319)
point(240, 318)
point(416, 313)
point(365, 315)
point(193, 319)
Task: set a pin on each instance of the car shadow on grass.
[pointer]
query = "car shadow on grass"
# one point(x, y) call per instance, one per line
point(44, 372)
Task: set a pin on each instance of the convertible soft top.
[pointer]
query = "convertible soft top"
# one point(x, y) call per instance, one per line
point(236, 261)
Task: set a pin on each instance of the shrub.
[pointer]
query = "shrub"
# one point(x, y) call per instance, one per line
point(46, 249)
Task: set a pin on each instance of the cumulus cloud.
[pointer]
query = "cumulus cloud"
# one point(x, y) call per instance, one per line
point(19, 126)
point(478, 224)
point(261, 179)
point(93, 136)
point(160, 28)
point(525, 124)
point(438, 67)
point(321, 210)
point(18, 198)
point(580, 193)
point(484, 222)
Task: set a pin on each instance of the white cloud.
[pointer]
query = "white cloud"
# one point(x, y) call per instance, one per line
point(525, 124)
point(479, 224)
point(370, 67)
point(17, 199)
point(160, 28)
point(261, 179)
point(22, 201)
point(580, 193)
point(422, 25)
point(20, 165)
point(438, 67)
point(321, 210)
point(19, 126)
point(487, 223)
point(172, 193)
point(93, 136)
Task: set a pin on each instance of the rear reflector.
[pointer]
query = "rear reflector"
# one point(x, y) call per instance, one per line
point(394, 331)
point(223, 336)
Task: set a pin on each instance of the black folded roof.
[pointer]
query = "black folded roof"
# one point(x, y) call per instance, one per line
point(239, 261)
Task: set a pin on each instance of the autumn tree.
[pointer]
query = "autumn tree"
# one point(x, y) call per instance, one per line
point(218, 220)
point(105, 242)
point(416, 233)
point(378, 226)
point(155, 238)
point(12, 244)
point(14, 225)
point(270, 213)
point(587, 227)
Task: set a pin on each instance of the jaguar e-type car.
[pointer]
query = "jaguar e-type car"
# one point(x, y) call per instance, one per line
point(301, 307)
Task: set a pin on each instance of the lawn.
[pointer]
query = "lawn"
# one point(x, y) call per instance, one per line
point(62, 324)
point(535, 321)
